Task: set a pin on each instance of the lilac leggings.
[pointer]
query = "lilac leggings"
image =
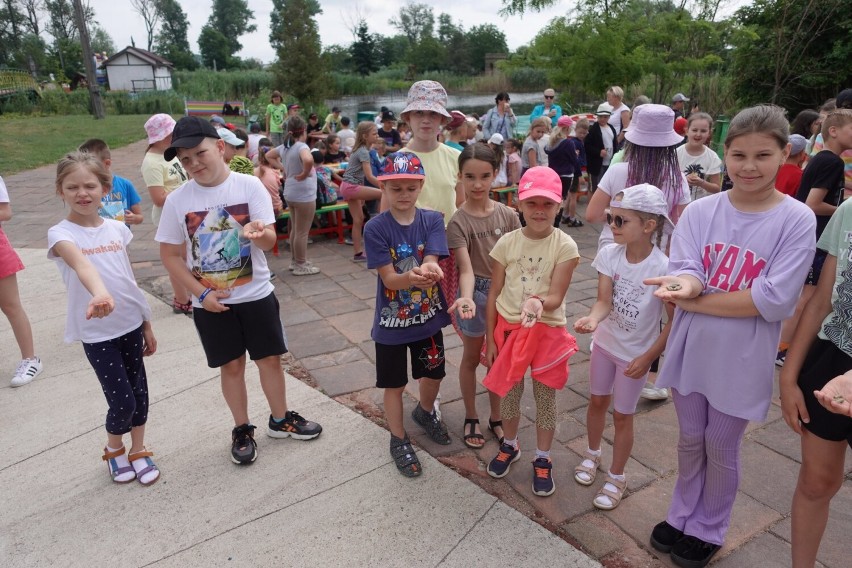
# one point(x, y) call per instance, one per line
point(708, 459)
point(606, 377)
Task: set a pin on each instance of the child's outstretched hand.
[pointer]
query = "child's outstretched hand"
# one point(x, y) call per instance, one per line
point(426, 275)
point(836, 395)
point(149, 342)
point(585, 325)
point(531, 311)
point(466, 308)
point(100, 306)
point(671, 288)
point(254, 230)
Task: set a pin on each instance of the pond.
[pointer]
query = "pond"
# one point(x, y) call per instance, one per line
point(522, 103)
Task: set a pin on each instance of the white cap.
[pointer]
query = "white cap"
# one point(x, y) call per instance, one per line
point(496, 138)
point(646, 198)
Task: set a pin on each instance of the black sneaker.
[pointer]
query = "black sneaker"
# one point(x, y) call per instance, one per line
point(781, 358)
point(431, 424)
point(664, 536)
point(543, 477)
point(499, 466)
point(692, 552)
point(243, 446)
point(293, 426)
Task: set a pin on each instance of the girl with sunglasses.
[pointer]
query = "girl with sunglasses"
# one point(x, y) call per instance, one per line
point(625, 320)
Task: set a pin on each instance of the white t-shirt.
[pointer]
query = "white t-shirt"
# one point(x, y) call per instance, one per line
point(347, 139)
point(4, 193)
point(706, 164)
point(634, 322)
point(106, 248)
point(606, 134)
point(210, 220)
point(615, 118)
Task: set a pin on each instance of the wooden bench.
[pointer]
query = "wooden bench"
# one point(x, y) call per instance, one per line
point(209, 108)
point(335, 218)
point(509, 191)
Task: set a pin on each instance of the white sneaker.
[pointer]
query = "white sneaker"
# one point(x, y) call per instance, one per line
point(437, 406)
point(652, 392)
point(27, 370)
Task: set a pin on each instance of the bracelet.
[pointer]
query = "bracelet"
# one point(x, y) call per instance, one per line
point(539, 299)
point(204, 295)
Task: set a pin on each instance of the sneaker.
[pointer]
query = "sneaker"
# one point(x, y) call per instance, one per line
point(348, 241)
point(272, 276)
point(499, 466)
point(781, 358)
point(437, 406)
point(305, 270)
point(27, 370)
point(243, 446)
point(664, 536)
point(692, 552)
point(360, 257)
point(651, 392)
point(543, 477)
point(432, 425)
point(293, 426)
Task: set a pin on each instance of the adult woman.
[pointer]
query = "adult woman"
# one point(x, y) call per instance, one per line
point(620, 118)
point(500, 119)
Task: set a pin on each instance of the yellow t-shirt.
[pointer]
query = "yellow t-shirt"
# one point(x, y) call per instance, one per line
point(157, 172)
point(442, 174)
point(529, 265)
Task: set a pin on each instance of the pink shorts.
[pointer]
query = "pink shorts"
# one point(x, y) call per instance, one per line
point(348, 190)
point(10, 262)
point(606, 377)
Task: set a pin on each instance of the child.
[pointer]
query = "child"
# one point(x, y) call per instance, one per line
point(472, 233)
point(581, 130)
point(736, 266)
point(275, 112)
point(790, 175)
point(821, 350)
point(313, 124)
point(347, 136)
point(600, 145)
point(404, 132)
point(91, 253)
point(234, 146)
point(332, 122)
point(333, 154)
point(269, 176)
point(224, 221)
point(10, 301)
point(389, 134)
point(625, 320)
point(455, 134)
point(404, 244)
point(122, 203)
point(501, 178)
point(563, 160)
point(254, 139)
point(532, 154)
point(701, 166)
point(513, 161)
point(353, 190)
point(526, 322)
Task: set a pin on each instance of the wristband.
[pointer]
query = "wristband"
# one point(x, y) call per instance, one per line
point(204, 295)
point(539, 299)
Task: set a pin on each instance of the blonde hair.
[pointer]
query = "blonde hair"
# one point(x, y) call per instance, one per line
point(362, 131)
point(74, 160)
point(836, 119)
point(541, 121)
point(557, 135)
point(616, 92)
point(583, 124)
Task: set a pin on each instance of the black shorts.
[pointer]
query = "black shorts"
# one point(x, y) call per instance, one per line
point(824, 362)
point(816, 267)
point(567, 182)
point(427, 361)
point(251, 326)
point(575, 183)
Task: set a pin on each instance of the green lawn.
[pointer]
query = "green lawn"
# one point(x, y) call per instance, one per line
point(26, 143)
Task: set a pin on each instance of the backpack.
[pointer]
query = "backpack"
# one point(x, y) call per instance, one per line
point(326, 192)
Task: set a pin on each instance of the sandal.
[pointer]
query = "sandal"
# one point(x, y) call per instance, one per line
point(404, 457)
point(114, 470)
point(185, 309)
point(590, 471)
point(146, 455)
point(614, 496)
point(473, 440)
point(492, 424)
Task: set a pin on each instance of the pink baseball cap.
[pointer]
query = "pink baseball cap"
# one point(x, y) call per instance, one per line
point(159, 127)
point(565, 122)
point(540, 181)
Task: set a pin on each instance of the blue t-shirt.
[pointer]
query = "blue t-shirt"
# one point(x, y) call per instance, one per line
point(376, 163)
point(121, 198)
point(410, 314)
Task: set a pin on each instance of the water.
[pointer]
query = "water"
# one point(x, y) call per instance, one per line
point(522, 103)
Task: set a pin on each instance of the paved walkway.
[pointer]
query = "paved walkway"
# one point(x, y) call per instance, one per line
point(328, 318)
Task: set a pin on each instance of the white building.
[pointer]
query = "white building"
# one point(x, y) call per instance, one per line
point(134, 69)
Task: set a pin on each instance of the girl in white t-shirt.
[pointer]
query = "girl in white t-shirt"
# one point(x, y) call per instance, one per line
point(106, 310)
point(701, 166)
point(625, 319)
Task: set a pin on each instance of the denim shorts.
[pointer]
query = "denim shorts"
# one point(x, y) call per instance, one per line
point(475, 327)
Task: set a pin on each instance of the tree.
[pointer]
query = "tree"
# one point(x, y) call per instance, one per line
point(101, 41)
point(415, 21)
point(482, 39)
point(231, 19)
point(300, 68)
point(275, 20)
point(390, 50)
point(11, 28)
point(172, 42)
point(215, 48)
point(33, 11)
point(364, 50)
point(338, 58)
point(150, 13)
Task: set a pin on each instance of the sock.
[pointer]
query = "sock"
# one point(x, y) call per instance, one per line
point(139, 465)
point(278, 420)
point(583, 476)
point(603, 499)
point(513, 443)
point(542, 454)
point(121, 461)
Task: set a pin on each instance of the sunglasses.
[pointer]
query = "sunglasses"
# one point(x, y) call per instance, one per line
point(616, 220)
point(548, 96)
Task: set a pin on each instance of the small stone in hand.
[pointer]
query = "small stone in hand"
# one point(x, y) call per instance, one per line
point(673, 287)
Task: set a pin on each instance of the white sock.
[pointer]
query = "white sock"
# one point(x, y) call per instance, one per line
point(542, 454)
point(142, 463)
point(513, 443)
point(121, 461)
point(583, 476)
point(603, 499)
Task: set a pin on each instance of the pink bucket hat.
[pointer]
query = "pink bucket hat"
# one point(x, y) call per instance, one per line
point(540, 181)
point(159, 127)
point(653, 126)
point(427, 95)
point(565, 122)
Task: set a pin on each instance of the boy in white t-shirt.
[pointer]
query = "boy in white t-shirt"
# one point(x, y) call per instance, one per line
point(224, 221)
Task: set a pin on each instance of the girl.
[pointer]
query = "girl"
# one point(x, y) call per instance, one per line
point(513, 161)
point(562, 158)
point(817, 360)
point(532, 154)
point(737, 262)
point(162, 177)
point(701, 166)
point(300, 193)
point(91, 255)
point(404, 132)
point(526, 322)
point(333, 154)
point(472, 233)
point(625, 320)
point(270, 176)
point(456, 133)
point(501, 178)
point(276, 110)
point(581, 130)
point(10, 301)
point(353, 189)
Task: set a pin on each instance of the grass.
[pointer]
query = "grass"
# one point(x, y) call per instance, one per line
point(29, 142)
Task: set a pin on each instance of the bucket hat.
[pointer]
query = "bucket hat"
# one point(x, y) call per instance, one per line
point(428, 96)
point(158, 127)
point(653, 126)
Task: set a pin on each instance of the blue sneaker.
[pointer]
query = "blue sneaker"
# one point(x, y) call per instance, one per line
point(499, 466)
point(543, 477)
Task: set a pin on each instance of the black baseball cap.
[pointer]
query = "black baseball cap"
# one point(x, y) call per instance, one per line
point(189, 132)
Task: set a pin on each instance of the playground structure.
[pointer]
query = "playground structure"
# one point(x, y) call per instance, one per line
point(15, 82)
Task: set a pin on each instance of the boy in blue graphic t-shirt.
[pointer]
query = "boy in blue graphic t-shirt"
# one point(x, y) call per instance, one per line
point(122, 203)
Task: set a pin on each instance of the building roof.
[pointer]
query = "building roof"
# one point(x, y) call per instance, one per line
point(143, 54)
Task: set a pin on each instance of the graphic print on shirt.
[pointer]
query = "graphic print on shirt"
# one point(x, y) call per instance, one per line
point(731, 268)
point(112, 206)
point(625, 295)
point(838, 329)
point(433, 356)
point(221, 256)
point(409, 306)
point(532, 270)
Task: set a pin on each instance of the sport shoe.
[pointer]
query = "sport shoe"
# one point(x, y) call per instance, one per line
point(692, 552)
point(499, 466)
point(432, 425)
point(652, 392)
point(27, 370)
point(543, 477)
point(664, 536)
point(360, 257)
point(781, 358)
point(305, 269)
point(293, 426)
point(243, 446)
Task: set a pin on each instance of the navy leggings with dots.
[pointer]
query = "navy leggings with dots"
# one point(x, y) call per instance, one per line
point(118, 364)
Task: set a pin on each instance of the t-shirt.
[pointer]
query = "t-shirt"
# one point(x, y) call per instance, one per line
point(271, 180)
point(454, 145)
point(608, 142)
point(276, 114)
point(332, 124)
point(789, 179)
point(514, 159)
point(106, 248)
point(157, 172)
point(530, 144)
point(529, 265)
point(731, 360)
point(121, 198)
point(837, 241)
point(303, 191)
point(479, 234)
point(441, 166)
point(824, 171)
point(253, 142)
point(615, 119)
point(347, 140)
point(210, 221)
point(846, 156)
point(706, 164)
point(634, 322)
point(391, 138)
point(410, 314)
point(355, 168)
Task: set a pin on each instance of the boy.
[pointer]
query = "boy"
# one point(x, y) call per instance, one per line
point(404, 244)
point(234, 146)
point(224, 222)
point(347, 135)
point(790, 174)
point(122, 203)
point(332, 122)
point(388, 133)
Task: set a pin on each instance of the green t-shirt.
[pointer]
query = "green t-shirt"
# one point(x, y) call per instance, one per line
point(276, 114)
point(837, 241)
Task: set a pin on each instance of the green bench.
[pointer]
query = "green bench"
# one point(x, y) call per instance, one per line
point(509, 192)
point(335, 225)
